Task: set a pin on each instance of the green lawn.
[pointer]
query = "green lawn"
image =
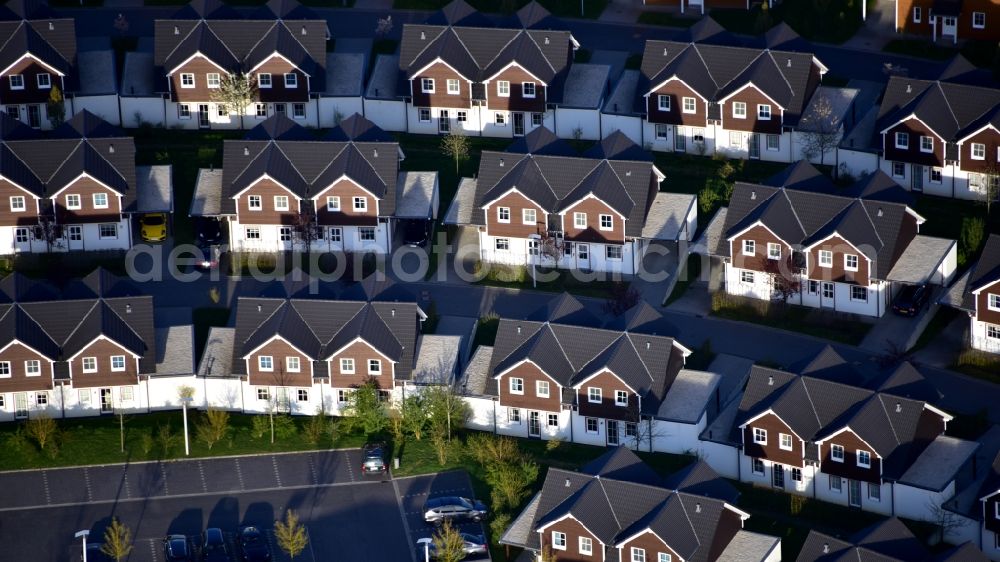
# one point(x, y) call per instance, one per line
point(97, 441)
point(560, 8)
point(944, 219)
point(794, 318)
point(666, 19)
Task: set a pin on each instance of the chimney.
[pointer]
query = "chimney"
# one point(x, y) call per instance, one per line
point(304, 32)
point(788, 64)
point(423, 36)
point(899, 408)
point(664, 51)
point(647, 345)
point(826, 548)
point(375, 153)
point(177, 30)
point(909, 90)
point(518, 330)
point(111, 149)
point(501, 162)
point(258, 308)
point(246, 151)
point(697, 508)
point(753, 195)
point(628, 173)
point(52, 26)
point(567, 482)
point(546, 40)
point(880, 211)
point(394, 313)
point(128, 309)
point(770, 380)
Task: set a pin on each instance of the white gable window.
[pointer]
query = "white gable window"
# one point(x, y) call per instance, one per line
point(739, 110)
point(89, 364)
point(594, 394)
point(542, 389)
point(347, 366)
point(978, 151)
point(580, 220)
point(291, 80)
point(663, 102)
point(280, 202)
point(503, 214)
point(374, 367)
point(73, 201)
point(749, 247)
point(837, 453)
point(44, 80)
point(516, 385)
point(638, 554)
point(213, 80)
point(994, 302)
point(17, 204)
point(926, 144)
point(760, 436)
point(825, 258)
point(764, 112)
point(333, 204)
point(663, 557)
point(689, 105)
point(100, 200)
point(503, 88)
point(255, 202)
point(16, 82)
point(427, 85)
point(851, 262)
point(621, 398)
point(864, 459)
point(785, 441)
point(902, 140)
point(452, 86)
point(773, 251)
point(265, 363)
point(979, 20)
point(917, 14)
point(607, 222)
point(361, 204)
point(586, 545)
point(558, 540)
point(187, 80)
point(264, 80)
point(529, 216)
point(528, 89)
point(292, 364)
point(33, 367)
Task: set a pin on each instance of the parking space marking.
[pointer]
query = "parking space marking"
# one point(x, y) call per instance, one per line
point(312, 469)
point(350, 469)
point(239, 474)
point(406, 524)
point(128, 493)
point(152, 549)
point(45, 482)
point(201, 470)
point(86, 479)
point(277, 473)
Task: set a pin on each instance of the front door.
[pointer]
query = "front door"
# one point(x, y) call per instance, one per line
point(203, 121)
point(282, 399)
point(20, 405)
point(107, 406)
point(444, 121)
point(826, 295)
point(948, 26)
point(35, 115)
point(613, 433)
point(917, 183)
point(534, 425)
point(778, 476)
point(583, 256)
point(518, 123)
point(754, 145)
point(680, 139)
point(854, 493)
point(74, 235)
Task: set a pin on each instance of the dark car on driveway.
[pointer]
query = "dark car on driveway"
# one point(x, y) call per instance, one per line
point(453, 508)
point(373, 459)
point(416, 232)
point(911, 300)
point(213, 546)
point(177, 548)
point(253, 545)
point(209, 231)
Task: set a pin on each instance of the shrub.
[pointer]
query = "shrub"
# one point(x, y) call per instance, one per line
point(166, 439)
point(318, 427)
point(214, 428)
point(146, 442)
point(284, 427)
point(42, 429)
point(259, 427)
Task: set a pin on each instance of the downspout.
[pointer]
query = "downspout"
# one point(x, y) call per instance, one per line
point(62, 399)
point(892, 497)
point(494, 416)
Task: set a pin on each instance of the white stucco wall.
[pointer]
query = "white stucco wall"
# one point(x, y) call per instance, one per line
point(389, 115)
point(724, 459)
point(330, 107)
point(270, 240)
point(921, 504)
point(630, 126)
point(588, 121)
point(597, 260)
point(105, 107)
point(857, 163)
point(136, 110)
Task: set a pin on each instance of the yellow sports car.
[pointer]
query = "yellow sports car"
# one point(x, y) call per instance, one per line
point(153, 227)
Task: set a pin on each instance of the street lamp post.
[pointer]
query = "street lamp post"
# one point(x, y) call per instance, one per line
point(184, 401)
point(427, 548)
point(83, 535)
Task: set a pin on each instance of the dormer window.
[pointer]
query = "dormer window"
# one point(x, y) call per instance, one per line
point(503, 88)
point(902, 140)
point(187, 80)
point(978, 151)
point(528, 89)
point(427, 85)
point(291, 80)
point(764, 112)
point(264, 80)
point(44, 80)
point(16, 82)
point(926, 144)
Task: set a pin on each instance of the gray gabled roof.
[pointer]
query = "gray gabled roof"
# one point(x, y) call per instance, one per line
point(565, 309)
point(53, 41)
point(279, 127)
point(541, 141)
point(987, 269)
point(886, 541)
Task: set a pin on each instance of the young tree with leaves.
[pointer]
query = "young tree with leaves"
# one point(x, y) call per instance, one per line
point(236, 92)
point(117, 540)
point(366, 410)
point(291, 535)
point(456, 145)
point(55, 107)
point(449, 546)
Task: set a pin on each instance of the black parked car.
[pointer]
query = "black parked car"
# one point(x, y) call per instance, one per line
point(177, 548)
point(416, 232)
point(911, 300)
point(213, 546)
point(209, 231)
point(453, 508)
point(253, 545)
point(374, 459)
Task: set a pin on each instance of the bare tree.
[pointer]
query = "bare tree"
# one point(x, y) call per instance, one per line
point(307, 228)
point(550, 246)
point(291, 535)
point(947, 522)
point(117, 540)
point(383, 26)
point(456, 145)
point(784, 282)
point(49, 231)
point(236, 92)
point(623, 297)
point(823, 134)
point(990, 182)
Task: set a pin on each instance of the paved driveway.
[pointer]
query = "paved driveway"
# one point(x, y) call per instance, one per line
point(414, 491)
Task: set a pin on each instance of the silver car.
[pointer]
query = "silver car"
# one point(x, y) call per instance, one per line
point(453, 508)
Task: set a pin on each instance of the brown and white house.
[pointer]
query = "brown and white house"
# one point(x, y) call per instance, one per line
point(889, 540)
point(978, 293)
point(846, 249)
point(618, 508)
point(464, 73)
point(281, 46)
point(283, 188)
point(38, 53)
point(87, 349)
point(75, 190)
point(948, 20)
point(600, 211)
point(829, 433)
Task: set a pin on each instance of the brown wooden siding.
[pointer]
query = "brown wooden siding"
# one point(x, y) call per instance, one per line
point(912, 154)
point(593, 233)
point(761, 237)
point(840, 248)
point(200, 67)
point(608, 383)
point(516, 101)
point(347, 190)
point(574, 530)
point(17, 354)
point(531, 374)
point(677, 91)
point(904, 16)
point(983, 312)
point(29, 69)
point(279, 350)
point(440, 98)
point(361, 352)
point(652, 544)
point(86, 188)
point(266, 189)
point(772, 451)
point(849, 468)
point(102, 350)
point(278, 92)
point(752, 97)
point(991, 139)
point(8, 217)
point(515, 229)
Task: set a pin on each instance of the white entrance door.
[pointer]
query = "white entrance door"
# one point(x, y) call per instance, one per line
point(107, 405)
point(74, 236)
point(826, 295)
point(949, 26)
point(583, 256)
point(20, 405)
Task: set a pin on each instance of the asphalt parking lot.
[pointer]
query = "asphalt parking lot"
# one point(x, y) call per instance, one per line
point(347, 517)
point(414, 491)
